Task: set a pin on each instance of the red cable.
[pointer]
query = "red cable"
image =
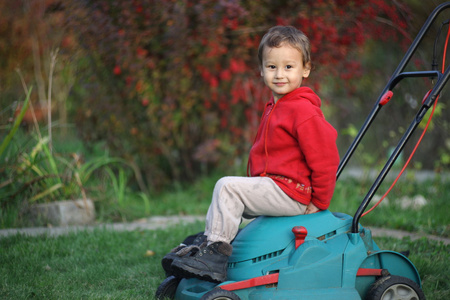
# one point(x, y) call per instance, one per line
point(420, 139)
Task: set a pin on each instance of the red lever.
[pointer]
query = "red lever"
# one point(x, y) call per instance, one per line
point(426, 96)
point(300, 233)
point(386, 98)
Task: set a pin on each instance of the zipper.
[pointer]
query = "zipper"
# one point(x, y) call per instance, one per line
point(268, 115)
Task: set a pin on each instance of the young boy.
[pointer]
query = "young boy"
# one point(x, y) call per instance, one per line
point(292, 164)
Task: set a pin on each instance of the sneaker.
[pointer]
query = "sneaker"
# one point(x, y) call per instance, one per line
point(178, 251)
point(208, 263)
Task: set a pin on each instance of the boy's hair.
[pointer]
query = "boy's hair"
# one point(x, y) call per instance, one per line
point(286, 34)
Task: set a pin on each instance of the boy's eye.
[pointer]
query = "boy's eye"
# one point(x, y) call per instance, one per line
point(288, 67)
point(272, 67)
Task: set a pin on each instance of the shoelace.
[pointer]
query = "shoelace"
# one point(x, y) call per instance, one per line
point(184, 251)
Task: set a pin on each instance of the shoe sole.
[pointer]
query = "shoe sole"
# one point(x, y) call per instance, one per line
point(189, 272)
point(166, 264)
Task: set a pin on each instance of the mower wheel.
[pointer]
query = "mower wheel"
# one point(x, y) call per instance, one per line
point(219, 294)
point(395, 287)
point(167, 288)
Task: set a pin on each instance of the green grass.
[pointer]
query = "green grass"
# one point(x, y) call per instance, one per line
point(432, 218)
point(181, 199)
point(194, 199)
point(431, 260)
point(113, 265)
point(429, 219)
point(86, 265)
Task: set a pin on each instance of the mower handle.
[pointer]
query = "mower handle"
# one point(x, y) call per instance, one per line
point(422, 74)
point(396, 77)
point(431, 98)
point(392, 82)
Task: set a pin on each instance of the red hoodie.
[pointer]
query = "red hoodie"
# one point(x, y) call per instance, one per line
point(296, 147)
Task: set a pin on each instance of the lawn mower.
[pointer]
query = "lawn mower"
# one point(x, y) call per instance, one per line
point(324, 255)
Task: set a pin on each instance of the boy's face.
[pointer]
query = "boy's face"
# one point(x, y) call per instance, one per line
point(282, 69)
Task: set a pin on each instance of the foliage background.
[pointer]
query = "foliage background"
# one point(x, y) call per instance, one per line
point(173, 86)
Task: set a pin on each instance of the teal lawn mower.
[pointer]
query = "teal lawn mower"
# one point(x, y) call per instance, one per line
point(323, 255)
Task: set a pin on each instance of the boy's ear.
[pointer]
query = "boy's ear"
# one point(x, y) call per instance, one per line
point(307, 70)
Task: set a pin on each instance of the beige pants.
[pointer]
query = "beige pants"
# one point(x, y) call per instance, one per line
point(235, 197)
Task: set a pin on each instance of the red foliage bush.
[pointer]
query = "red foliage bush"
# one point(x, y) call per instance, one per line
point(177, 82)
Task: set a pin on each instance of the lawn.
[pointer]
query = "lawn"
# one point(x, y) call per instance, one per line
point(86, 265)
point(105, 264)
point(126, 265)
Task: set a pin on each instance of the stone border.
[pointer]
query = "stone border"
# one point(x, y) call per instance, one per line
point(400, 234)
point(160, 222)
point(143, 224)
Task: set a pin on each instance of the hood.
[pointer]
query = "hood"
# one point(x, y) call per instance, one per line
point(302, 93)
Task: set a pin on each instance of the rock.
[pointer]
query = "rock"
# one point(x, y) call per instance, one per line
point(63, 213)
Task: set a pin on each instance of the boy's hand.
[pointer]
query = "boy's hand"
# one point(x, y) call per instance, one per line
point(311, 208)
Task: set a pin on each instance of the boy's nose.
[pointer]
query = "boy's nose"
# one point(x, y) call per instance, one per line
point(279, 73)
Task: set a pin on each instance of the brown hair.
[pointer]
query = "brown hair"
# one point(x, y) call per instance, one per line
point(278, 35)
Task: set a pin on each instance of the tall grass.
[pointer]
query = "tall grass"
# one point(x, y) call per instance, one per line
point(16, 124)
point(32, 171)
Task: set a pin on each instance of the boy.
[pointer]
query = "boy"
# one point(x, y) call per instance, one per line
point(292, 164)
